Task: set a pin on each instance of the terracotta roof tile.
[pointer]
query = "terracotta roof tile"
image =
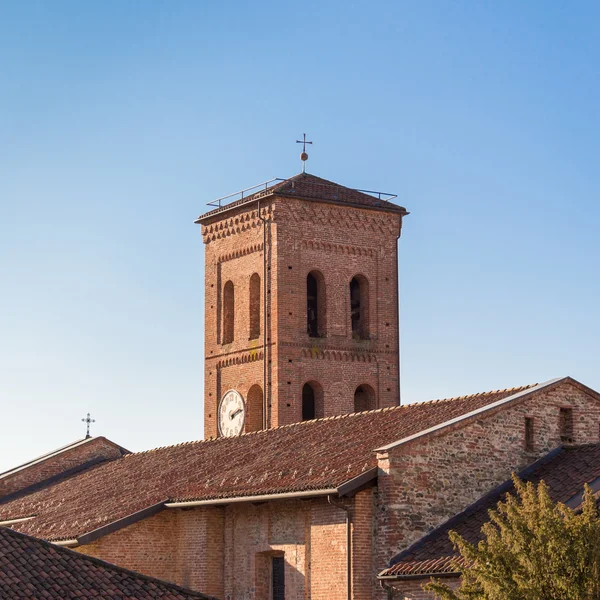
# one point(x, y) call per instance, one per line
point(565, 470)
point(311, 187)
point(312, 455)
point(32, 568)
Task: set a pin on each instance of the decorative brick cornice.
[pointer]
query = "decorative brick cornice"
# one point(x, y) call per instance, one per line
point(235, 224)
point(240, 359)
point(342, 216)
point(337, 248)
point(240, 252)
point(338, 355)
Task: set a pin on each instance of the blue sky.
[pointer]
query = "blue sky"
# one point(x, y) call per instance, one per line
point(120, 120)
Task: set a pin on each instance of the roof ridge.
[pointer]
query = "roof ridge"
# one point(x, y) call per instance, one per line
point(334, 418)
point(47, 455)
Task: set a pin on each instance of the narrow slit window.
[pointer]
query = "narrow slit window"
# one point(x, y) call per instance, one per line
point(308, 402)
point(528, 434)
point(228, 313)
point(315, 304)
point(566, 425)
point(254, 306)
point(359, 307)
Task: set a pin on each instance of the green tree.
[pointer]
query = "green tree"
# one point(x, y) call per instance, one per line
point(532, 549)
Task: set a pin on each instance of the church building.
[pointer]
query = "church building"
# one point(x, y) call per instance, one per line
point(313, 481)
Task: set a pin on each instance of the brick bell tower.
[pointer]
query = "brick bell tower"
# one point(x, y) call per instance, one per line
point(313, 266)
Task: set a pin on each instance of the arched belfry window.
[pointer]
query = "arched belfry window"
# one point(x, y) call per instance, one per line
point(312, 401)
point(228, 313)
point(254, 306)
point(316, 307)
point(308, 402)
point(364, 398)
point(254, 409)
point(359, 307)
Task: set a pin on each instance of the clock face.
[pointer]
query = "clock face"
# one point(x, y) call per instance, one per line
point(232, 414)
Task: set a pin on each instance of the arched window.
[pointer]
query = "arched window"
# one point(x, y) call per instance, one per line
point(315, 304)
point(312, 401)
point(228, 313)
point(254, 409)
point(254, 306)
point(364, 398)
point(308, 402)
point(359, 307)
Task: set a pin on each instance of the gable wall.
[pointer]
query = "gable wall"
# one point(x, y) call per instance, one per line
point(425, 482)
point(96, 448)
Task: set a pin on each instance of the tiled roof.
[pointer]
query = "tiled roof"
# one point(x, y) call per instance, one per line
point(58, 451)
point(311, 187)
point(312, 455)
point(43, 457)
point(32, 568)
point(565, 470)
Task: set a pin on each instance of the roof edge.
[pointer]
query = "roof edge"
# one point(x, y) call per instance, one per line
point(256, 498)
point(355, 484)
point(417, 576)
point(218, 212)
point(95, 534)
point(473, 413)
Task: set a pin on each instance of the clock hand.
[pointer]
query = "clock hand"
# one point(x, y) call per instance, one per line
point(235, 414)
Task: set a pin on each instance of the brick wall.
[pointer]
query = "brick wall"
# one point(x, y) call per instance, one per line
point(149, 547)
point(328, 573)
point(227, 551)
point(235, 254)
point(182, 546)
point(363, 525)
point(339, 243)
point(425, 482)
point(64, 460)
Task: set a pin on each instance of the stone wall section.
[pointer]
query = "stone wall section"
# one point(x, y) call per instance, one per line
point(94, 449)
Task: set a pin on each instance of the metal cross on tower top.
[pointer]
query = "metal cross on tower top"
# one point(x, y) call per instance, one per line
point(304, 155)
point(88, 420)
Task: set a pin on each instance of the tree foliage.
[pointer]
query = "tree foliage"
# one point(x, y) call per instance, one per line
point(532, 549)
